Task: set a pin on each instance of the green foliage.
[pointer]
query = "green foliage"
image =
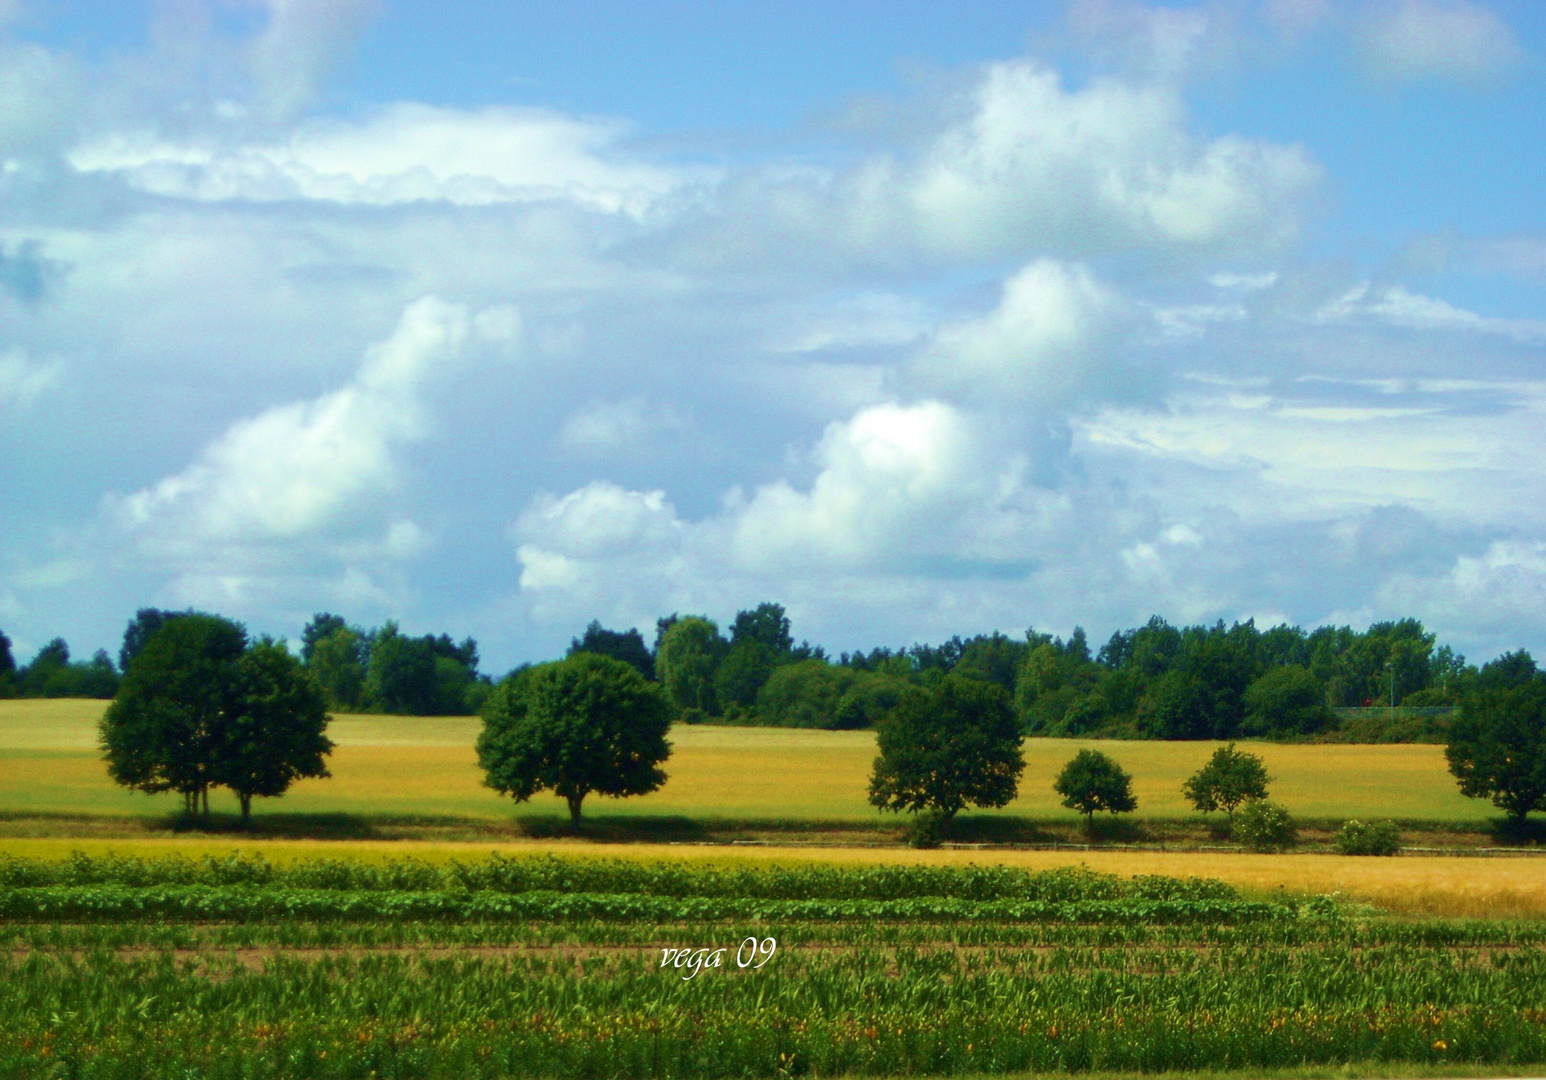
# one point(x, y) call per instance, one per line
point(687, 661)
point(542, 966)
point(926, 829)
point(743, 672)
point(581, 725)
point(1230, 778)
point(1263, 825)
point(401, 676)
point(625, 645)
point(1092, 781)
point(804, 694)
point(946, 748)
point(140, 630)
point(275, 733)
point(1287, 700)
point(1368, 838)
point(323, 625)
point(199, 708)
point(203, 903)
point(1177, 705)
point(549, 873)
point(53, 675)
point(163, 730)
point(337, 661)
point(422, 676)
point(1497, 747)
point(765, 625)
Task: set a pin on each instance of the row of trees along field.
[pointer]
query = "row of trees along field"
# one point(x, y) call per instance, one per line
point(381, 670)
point(1155, 681)
point(200, 705)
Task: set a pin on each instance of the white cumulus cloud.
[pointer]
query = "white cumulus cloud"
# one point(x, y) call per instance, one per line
point(300, 468)
point(1053, 326)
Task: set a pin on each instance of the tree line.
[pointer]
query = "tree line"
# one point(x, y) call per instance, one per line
point(201, 705)
point(1156, 681)
point(379, 670)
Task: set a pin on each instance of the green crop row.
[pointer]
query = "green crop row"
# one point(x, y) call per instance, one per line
point(243, 902)
point(671, 878)
point(154, 932)
point(863, 1011)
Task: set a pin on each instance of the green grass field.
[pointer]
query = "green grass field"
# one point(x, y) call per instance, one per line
point(389, 765)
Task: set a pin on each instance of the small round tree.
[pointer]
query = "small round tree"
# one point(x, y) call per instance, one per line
point(1091, 781)
point(945, 748)
point(585, 724)
point(1230, 777)
point(275, 734)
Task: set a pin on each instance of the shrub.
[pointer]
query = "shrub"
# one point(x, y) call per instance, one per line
point(926, 829)
point(1368, 838)
point(1263, 825)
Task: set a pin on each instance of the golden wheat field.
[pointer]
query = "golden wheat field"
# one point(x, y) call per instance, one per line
point(426, 766)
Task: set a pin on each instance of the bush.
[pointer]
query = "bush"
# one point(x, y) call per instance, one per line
point(1263, 825)
point(1368, 838)
point(926, 829)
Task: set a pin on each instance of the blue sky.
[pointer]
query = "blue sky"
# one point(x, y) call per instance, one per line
point(496, 318)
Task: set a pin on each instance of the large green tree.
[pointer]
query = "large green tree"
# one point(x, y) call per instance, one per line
point(162, 731)
point(337, 661)
point(275, 732)
point(944, 748)
point(1497, 746)
point(199, 708)
point(586, 724)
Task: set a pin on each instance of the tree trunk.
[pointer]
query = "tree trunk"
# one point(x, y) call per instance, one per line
point(574, 810)
point(246, 798)
point(205, 793)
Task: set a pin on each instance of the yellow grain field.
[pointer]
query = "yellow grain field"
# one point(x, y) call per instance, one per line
point(426, 766)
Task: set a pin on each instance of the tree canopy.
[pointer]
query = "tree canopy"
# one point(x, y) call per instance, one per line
point(1092, 781)
point(948, 747)
point(386, 670)
point(690, 651)
point(586, 724)
point(199, 708)
point(625, 645)
point(274, 733)
point(1230, 777)
point(1497, 748)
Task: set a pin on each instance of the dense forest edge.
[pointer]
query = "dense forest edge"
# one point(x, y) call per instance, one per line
point(1392, 682)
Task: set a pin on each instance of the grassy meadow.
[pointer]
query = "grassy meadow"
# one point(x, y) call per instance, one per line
point(425, 766)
